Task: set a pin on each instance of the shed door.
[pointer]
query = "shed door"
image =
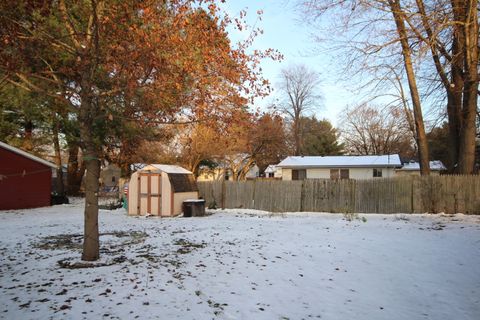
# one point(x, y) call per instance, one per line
point(149, 193)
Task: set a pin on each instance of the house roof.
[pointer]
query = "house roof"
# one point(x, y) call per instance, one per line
point(167, 168)
point(387, 161)
point(436, 165)
point(271, 169)
point(27, 155)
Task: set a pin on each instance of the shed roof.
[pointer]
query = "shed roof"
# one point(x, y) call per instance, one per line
point(387, 161)
point(167, 168)
point(435, 165)
point(182, 182)
point(27, 155)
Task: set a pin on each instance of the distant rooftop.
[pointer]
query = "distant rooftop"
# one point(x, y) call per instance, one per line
point(388, 161)
point(436, 165)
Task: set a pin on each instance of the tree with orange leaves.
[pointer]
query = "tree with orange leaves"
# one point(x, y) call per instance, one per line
point(121, 65)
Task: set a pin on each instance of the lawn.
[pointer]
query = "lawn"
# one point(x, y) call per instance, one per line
point(240, 264)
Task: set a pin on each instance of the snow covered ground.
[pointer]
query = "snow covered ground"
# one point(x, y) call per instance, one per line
point(240, 264)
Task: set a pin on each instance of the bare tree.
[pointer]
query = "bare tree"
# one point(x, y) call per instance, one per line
point(369, 130)
point(299, 85)
point(400, 17)
point(438, 44)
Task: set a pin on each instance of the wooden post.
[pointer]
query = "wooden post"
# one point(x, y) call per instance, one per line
point(302, 196)
point(223, 194)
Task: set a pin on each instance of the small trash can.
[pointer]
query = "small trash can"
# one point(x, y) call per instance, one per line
point(194, 208)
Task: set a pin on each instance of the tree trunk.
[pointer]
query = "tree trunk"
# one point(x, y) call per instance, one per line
point(422, 144)
point(454, 85)
point(91, 245)
point(469, 31)
point(60, 188)
point(91, 156)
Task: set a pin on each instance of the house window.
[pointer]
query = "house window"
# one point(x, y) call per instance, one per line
point(377, 173)
point(113, 179)
point(336, 174)
point(271, 175)
point(300, 174)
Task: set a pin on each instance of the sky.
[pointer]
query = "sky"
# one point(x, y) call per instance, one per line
point(283, 30)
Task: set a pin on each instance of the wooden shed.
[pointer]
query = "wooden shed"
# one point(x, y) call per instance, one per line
point(25, 180)
point(160, 190)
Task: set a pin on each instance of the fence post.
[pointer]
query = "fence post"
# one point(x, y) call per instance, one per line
point(302, 196)
point(224, 191)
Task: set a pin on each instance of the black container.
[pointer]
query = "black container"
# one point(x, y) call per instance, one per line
point(194, 208)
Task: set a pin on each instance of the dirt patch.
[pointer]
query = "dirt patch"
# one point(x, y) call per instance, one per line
point(74, 241)
point(187, 246)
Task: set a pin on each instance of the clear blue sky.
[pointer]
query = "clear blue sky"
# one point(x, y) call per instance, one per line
point(284, 31)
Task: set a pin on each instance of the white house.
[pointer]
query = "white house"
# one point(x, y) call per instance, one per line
point(413, 168)
point(339, 167)
point(273, 171)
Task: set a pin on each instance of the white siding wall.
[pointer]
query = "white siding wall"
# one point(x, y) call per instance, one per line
point(355, 173)
point(286, 174)
point(318, 173)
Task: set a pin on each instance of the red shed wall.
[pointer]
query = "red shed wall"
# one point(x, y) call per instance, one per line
point(24, 183)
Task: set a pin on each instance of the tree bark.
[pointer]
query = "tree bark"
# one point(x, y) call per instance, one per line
point(421, 137)
point(91, 156)
point(91, 245)
point(467, 12)
point(58, 158)
point(453, 86)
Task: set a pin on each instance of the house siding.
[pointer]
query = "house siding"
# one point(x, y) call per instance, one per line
point(287, 174)
point(18, 191)
point(354, 173)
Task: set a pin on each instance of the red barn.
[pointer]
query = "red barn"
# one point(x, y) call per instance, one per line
point(25, 180)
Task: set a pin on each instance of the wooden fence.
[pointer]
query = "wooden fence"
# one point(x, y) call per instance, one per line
point(434, 194)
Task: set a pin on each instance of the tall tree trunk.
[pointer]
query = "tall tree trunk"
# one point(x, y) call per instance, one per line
point(421, 138)
point(469, 29)
point(454, 85)
point(91, 155)
point(454, 107)
point(91, 244)
point(58, 158)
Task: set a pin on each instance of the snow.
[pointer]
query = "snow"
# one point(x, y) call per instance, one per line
point(240, 264)
point(341, 161)
point(435, 165)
